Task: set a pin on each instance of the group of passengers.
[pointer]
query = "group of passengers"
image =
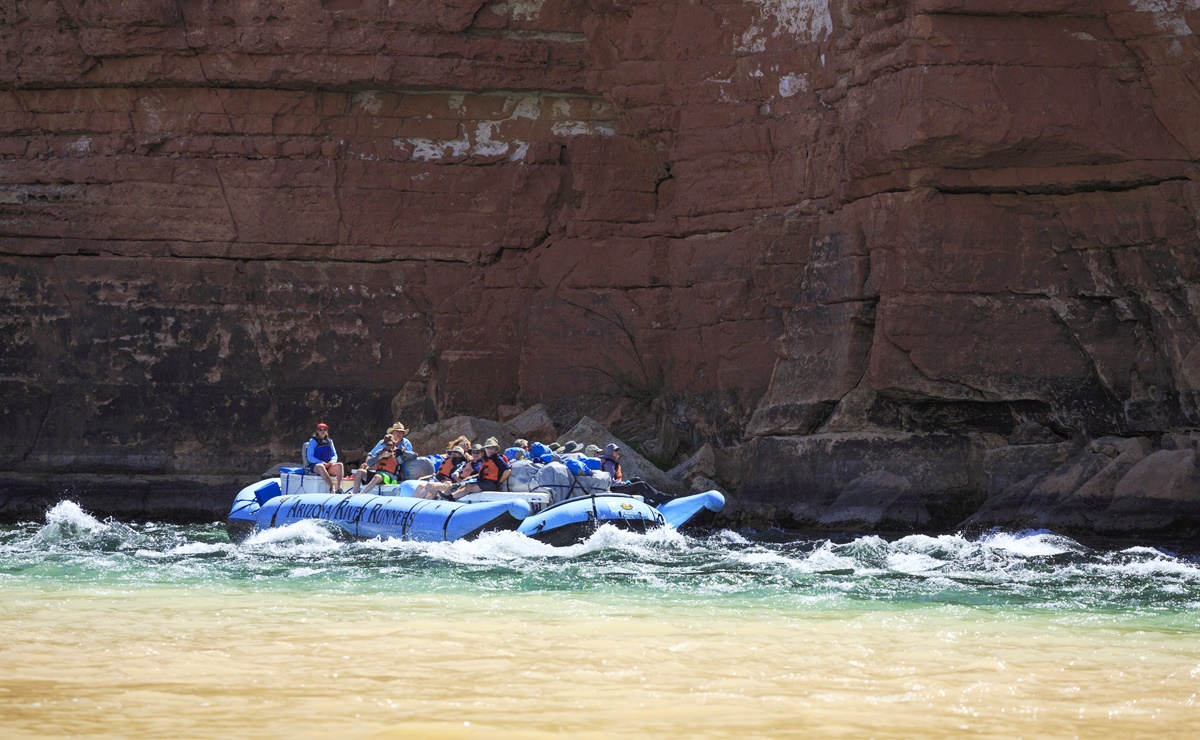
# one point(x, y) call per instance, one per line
point(465, 468)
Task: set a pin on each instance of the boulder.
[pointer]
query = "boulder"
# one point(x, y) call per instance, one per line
point(633, 465)
point(702, 464)
point(700, 484)
point(803, 476)
point(1004, 466)
point(729, 462)
point(878, 499)
point(1159, 492)
point(533, 424)
point(1069, 497)
point(435, 437)
point(507, 413)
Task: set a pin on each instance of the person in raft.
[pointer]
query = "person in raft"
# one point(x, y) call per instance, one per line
point(321, 456)
point(611, 462)
point(491, 470)
point(454, 468)
point(396, 433)
point(451, 465)
point(384, 473)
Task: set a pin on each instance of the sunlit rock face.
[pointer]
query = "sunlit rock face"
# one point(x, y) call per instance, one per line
point(943, 240)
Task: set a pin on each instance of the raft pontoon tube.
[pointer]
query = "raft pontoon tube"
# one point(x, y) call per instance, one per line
point(392, 512)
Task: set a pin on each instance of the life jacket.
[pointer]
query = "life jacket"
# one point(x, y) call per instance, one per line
point(489, 470)
point(447, 468)
point(610, 465)
point(387, 464)
point(324, 449)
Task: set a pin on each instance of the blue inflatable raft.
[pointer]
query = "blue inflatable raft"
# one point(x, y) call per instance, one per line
point(392, 512)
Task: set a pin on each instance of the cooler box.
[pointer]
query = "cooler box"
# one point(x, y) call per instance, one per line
point(291, 480)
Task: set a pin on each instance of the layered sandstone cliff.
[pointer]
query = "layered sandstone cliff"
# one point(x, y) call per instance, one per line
point(928, 251)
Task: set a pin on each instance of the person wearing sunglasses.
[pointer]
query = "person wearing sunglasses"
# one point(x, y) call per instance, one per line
point(321, 457)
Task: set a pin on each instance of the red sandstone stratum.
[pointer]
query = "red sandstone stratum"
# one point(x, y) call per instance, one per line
point(900, 263)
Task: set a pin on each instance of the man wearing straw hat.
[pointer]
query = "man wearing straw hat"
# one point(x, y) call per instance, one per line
point(396, 432)
point(491, 471)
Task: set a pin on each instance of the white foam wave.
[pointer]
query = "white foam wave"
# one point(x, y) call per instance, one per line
point(202, 548)
point(728, 536)
point(69, 525)
point(511, 546)
point(1039, 544)
point(759, 557)
point(941, 547)
point(914, 563)
point(1158, 567)
point(825, 559)
point(304, 538)
point(489, 548)
point(67, 518)
point(1138, 550)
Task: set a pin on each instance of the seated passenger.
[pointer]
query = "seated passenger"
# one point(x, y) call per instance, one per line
point(610, 462)
point(320, 455)
point(395, 433)
point(448, 472)
point(384, 472)
point(455, 468)
point(491, 470)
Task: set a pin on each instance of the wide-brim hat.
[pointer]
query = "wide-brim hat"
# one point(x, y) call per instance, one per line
point(554, 446)
point(459, 449)
point(591, 450)
point(610, 449)
point(477, 448)
point(397, 427)
point(572, 446)
point(492, 442)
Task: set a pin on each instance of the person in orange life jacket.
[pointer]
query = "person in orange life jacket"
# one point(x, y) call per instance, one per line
point(450, 467)
point(491, 470)
point(457, 467)
point(395, 434)
point(384, 474)
point(470, 467)
point(321, 456)
point(610, 464)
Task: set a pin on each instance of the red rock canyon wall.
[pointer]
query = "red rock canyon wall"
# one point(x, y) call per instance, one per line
point(882, 253)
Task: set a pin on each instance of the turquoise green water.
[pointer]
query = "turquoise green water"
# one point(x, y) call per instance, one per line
point(109, 629)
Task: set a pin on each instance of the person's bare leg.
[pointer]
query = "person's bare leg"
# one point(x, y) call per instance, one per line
point(373, 483)
point(358, 476)
point(469, 488)
point(320, 467)
point(341, 471)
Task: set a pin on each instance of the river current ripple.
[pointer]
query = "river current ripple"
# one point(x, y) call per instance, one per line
point(1032, 570)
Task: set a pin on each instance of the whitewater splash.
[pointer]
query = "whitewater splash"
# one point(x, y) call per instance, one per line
point(1038, 570)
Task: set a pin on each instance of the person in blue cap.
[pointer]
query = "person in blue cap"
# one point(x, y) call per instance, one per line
point(610, 462)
